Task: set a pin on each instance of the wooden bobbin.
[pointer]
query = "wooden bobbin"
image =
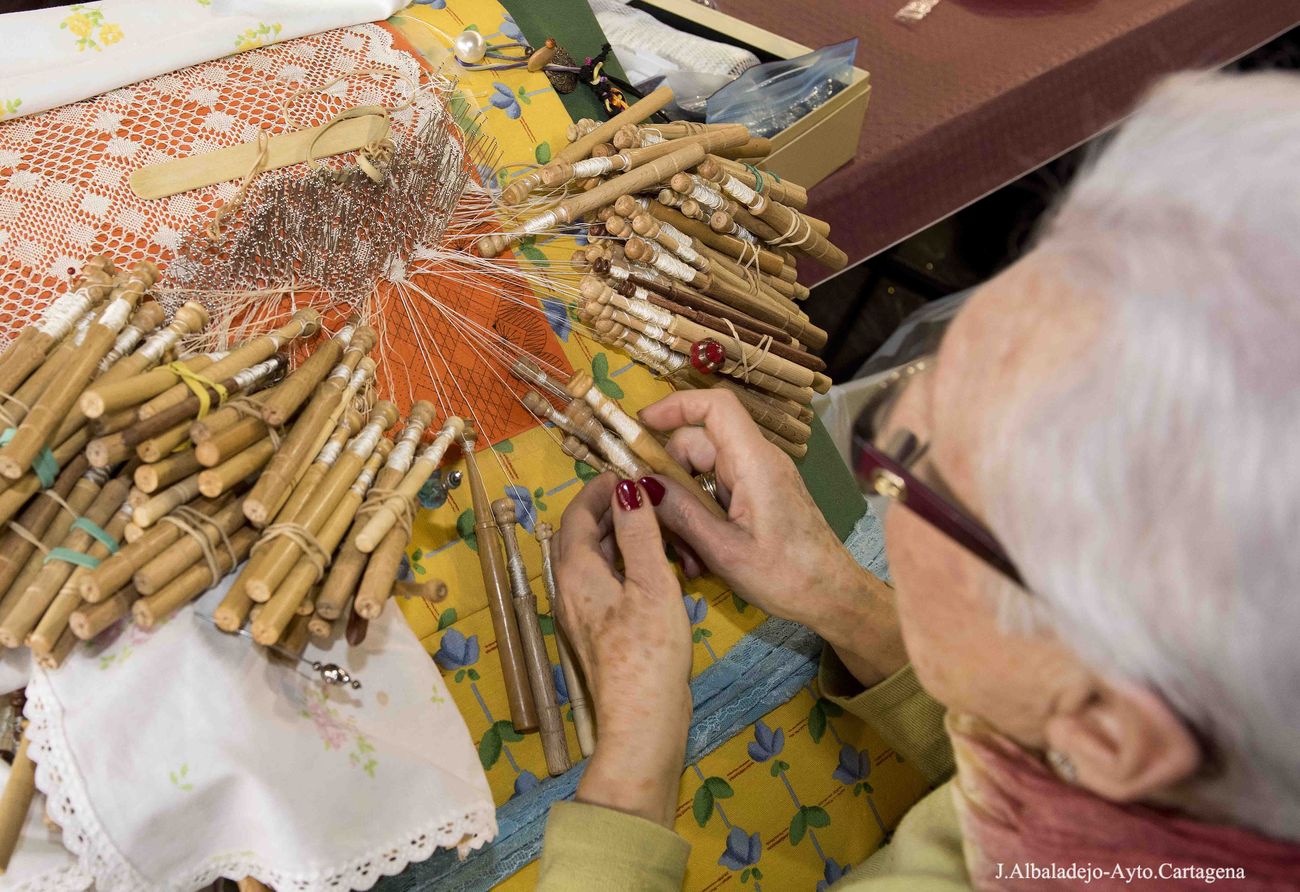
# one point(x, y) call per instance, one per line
point(519, 696)
point(581, 386)
point(637, 112)
point(292, 596)
point(198, 578)
point(115, 572)
point(536, 661)
point(102, 399)
point(579, 699)
point(45, 637)
point(34, 343)
point(61, 394)
point(350, 561)
point(26, 564)
point(303, 324)
point(16, 801)
point(187, 551)
point(573, 208)
point(579, 451)
point(387, 514)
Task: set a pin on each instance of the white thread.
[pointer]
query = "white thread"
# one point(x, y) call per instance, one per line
point(340, 371)
point(594, 167)
point(79, 333)
point(671, 266)
point(707, 197)
point(64, 313)
point(161, 342)
point(650, 137)
point(365, 442)
point(247, 377)
point(116, 315)
point(619, 272)
point(124, 344)
point(359, 379)
point(363, 481)
point(614, 417)
point(330, 452)
point(651, 330)
point(539, 223)
point(739, 191)
point(647, 312)
point(400, 458)
point(345, 334)
point(438, 448)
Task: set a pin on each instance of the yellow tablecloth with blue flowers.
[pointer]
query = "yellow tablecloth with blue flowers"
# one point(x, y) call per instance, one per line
point(790, 801)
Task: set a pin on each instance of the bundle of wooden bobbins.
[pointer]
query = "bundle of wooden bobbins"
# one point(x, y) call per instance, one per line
point(691, 263)
point(595, 430)
point(135, 479)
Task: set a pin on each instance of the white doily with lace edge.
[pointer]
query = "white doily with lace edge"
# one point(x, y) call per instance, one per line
point(396, 657)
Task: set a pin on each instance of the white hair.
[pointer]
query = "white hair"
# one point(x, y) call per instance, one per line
point(1153, 503)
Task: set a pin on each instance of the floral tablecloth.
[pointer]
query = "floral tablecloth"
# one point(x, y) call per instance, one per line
point(789, 798)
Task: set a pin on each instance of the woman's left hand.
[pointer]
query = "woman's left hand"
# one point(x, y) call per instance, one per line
point(633, 638)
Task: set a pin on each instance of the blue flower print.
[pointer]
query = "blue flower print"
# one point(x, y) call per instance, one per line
point(455, 651)
point(557, 317)
point(524, 512)
point(561, 685)
point(742, 850)
point(854, 765)
point(766, 743)
point(432, 4)
point(510, 29)
point(525, 782)
point(505, 100)
point(578, 230)
point(696, 609)
point(832, 873)
point(404, 573)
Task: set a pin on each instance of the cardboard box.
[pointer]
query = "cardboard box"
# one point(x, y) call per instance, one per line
point(811, 148)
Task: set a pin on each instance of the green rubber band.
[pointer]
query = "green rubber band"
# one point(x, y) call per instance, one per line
point(758, 176)
point(45, 465)
point(68, 556)
point(95, 530)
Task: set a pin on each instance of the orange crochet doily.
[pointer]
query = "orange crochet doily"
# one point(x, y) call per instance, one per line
point(64, 196)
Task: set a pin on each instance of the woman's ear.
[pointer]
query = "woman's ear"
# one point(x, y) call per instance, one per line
point(1124, 742)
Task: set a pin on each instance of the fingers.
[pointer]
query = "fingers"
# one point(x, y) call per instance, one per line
point(693, 449)
point(636, 528)
point(718, 411)
point(586, 523)
point(716, 542)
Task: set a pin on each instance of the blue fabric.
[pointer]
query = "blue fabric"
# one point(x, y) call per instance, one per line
point(765, 669)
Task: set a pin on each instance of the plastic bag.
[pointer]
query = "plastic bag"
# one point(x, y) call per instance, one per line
point(771, 97)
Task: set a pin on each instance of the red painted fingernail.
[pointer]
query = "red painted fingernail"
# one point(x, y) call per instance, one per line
point(653, 488)
point(628, 498)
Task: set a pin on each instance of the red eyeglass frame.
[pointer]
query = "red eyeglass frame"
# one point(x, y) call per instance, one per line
point(880, 473)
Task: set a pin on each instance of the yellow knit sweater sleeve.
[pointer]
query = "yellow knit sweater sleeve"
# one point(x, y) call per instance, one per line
point(899, 710)
point(594, 849)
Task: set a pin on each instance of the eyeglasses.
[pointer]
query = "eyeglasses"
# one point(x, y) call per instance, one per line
point(884, 459)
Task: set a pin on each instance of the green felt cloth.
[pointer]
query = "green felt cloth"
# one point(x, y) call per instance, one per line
point(574, 27)
point(832, 484)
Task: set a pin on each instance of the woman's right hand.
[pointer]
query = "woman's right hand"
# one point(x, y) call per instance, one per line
point(775, 549)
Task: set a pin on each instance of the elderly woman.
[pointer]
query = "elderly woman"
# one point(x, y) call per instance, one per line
point(1093, 548)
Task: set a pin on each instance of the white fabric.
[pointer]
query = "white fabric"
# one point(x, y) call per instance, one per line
point(51, 57)
point(173, 757)
point(648, 50)
point(40, 863)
